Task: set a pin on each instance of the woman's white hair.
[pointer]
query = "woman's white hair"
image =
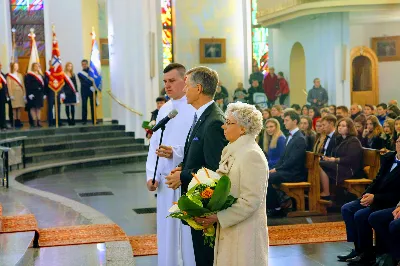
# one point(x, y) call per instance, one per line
point(246, 116)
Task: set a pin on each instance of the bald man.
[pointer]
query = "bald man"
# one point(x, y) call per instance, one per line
point(392, 102)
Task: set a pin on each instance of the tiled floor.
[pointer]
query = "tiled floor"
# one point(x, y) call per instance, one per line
point(127, 183)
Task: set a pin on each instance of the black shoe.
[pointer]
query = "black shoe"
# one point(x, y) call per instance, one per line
point(38, 124)
point(73, 122)
point(327, 198)
point(84, 123)
point(272, 213)
point(351, 255)
point(362, 259)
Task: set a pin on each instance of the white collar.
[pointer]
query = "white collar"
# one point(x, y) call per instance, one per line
point(294, 131)
point(331, 134)
point(201, 110)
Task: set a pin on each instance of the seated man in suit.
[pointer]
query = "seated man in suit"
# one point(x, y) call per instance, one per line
point(383, 193)
point(328, 124)
point(290, 168)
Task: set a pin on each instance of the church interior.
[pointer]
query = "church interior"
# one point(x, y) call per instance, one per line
point(73, 188)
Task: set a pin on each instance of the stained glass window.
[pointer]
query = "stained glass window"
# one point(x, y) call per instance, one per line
point(259, 36)
point(166, 19)
point(27, 14)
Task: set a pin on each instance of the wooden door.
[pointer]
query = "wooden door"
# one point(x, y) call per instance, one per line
point(24, 68)
point(364, 76)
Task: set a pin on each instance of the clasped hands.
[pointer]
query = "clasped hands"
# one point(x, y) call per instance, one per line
point(367, 199)
point(396, 213)
point(329, 159)
point(174, 178)
point(207, 221)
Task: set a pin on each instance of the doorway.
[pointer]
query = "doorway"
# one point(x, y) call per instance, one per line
point(364, 76)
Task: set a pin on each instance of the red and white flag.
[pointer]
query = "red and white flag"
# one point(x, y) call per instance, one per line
point(56, 80)
point(34, 51)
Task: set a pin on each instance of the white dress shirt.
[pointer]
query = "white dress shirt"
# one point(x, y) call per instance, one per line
point(291, 133)
point(327, 141)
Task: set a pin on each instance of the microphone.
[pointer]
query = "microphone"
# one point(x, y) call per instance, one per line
point(165, 120)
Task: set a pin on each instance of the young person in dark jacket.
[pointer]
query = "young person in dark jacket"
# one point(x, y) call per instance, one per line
point(34, 85)
point(383, 193)
point(346, 159)
point(372, 135)
point(360, 122)
point(388, 129)
point(308, 132)
point(290, 168)
point(88, 87)
point(381, 109)
point(3, 100)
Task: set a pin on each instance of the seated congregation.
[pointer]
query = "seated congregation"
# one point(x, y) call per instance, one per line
point(333, 156)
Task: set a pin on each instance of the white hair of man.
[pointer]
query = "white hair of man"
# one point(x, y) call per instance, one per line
point(247, 116)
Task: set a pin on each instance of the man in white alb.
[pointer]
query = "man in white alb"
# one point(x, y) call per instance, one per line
point(173, 238)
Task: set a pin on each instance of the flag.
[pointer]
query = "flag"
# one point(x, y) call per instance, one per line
point(56, 79)
point(34, 51)
point(95, 64)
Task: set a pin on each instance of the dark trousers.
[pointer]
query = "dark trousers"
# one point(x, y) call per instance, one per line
point(358, 228)
point(282, 98)
point(3, 113)
point(387, 232)
point(85, 97)
point(274, 197)
point(28, 110)
point(51, 118)
point(10, 113)
point(203, 254)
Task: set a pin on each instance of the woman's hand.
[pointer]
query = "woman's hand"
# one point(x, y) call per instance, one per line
point(207, 221)
point(329, 159)
point(365, 133)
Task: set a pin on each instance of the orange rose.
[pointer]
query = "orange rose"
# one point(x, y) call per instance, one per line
point(207, 193)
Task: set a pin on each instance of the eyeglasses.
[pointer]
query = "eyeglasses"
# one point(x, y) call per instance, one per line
point(228, 123)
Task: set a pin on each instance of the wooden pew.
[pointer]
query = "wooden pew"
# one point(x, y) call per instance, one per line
point(298, 190)
point(371, 161)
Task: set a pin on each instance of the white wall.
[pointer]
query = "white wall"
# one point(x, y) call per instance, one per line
point(67, 18)
point(219, 19)
point(322, 38)
point(389, 77)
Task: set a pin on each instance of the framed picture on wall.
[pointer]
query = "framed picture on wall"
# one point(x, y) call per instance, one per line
point(104, 53)
point(212, 51)
point(386, 48)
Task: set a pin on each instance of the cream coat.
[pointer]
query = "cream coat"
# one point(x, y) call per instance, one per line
point(16, 90)
point(242, 234)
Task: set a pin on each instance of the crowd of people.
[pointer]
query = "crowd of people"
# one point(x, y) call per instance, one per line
point(337, 134)
point(29, 92)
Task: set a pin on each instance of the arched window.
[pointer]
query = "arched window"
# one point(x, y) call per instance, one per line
point(259, 38)
point(27, 14)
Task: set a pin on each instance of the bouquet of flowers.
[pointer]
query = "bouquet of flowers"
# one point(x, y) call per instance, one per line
point(148, 126)
point(208, 193)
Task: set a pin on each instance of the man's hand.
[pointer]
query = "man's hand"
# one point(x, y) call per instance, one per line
point(165, 151)
point(207, 221)
point(367, 199)
point(150, 185)
point(174, 179)
point(328, 159)
point(176, 169)
point(396, 213)
point(272, 171)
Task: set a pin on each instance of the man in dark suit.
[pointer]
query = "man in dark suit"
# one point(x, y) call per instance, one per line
point(290, 167)
point(3, 100)
point(204, 144)
point(383, 193)
point(328, 124)
point(87, 90)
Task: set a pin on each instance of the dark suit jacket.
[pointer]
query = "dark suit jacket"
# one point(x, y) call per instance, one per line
point(386, 185)
point(376, 144)
point(4, 90)
point(203, 148)
point(291, 164)
point(331, 146)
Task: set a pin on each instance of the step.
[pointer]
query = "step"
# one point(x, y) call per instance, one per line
point(62, 130)
point(78, 136)
point(84, 162)
point(80, 144)
point(13, 246)
point(82, 153)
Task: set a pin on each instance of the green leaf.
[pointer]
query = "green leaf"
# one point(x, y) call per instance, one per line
point(191, 191)
point(196, 199)
point(185, 204)
point(220, 194)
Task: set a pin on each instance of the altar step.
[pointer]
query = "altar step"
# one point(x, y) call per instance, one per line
point(13, 247)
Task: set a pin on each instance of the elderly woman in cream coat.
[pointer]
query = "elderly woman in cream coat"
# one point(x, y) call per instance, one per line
point(242, 236)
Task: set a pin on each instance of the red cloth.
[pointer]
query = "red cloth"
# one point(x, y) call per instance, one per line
point(271, 87)
point(283, 86)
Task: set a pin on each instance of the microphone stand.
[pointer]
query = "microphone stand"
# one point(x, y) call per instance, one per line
point(158, 157)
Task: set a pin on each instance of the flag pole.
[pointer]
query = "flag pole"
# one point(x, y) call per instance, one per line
point(94, 92)
point(56, 107)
